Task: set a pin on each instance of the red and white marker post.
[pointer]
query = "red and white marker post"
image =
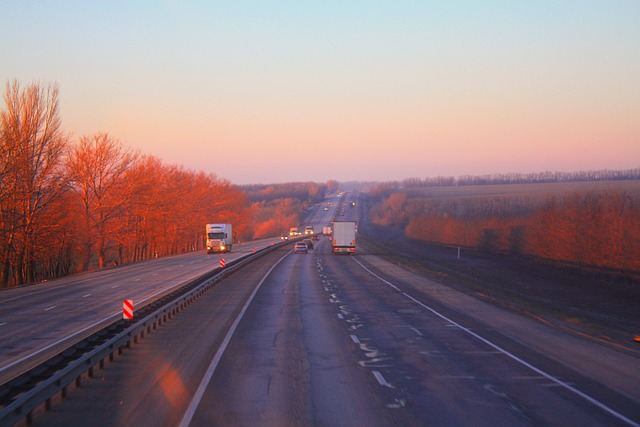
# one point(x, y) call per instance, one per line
point(127, 309)
point(221, 262)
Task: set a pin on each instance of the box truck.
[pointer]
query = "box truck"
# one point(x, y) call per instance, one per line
point(344, 237)
point(218, 238)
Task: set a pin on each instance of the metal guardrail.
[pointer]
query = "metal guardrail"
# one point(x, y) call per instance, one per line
point(25, 393)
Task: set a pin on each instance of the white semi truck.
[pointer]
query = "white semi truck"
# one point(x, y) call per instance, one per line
point(219, 238)
point(343, 239)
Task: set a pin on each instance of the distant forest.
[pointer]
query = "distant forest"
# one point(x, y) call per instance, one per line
point(513, 178)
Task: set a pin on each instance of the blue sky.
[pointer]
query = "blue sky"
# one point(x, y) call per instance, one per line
point(369, 90)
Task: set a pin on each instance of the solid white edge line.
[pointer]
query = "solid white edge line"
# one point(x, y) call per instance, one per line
point(191, 410)
point(511, 355)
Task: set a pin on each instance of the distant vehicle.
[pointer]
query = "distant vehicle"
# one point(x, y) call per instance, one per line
point(344, 237)
point(353, 203)
point(315, 238)
point(326, 231)
point(300, 248)
point(309, 243)
point(293, 231)
point(284, 237)
point(308, 229)
point(219, 238)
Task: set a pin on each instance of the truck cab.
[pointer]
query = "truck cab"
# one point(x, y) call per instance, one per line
point(219, 238)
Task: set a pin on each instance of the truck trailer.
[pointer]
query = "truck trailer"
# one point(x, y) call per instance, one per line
point(343, 239)
point(219, 238)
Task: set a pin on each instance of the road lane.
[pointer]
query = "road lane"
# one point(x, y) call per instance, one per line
point(288, 364)
point(326, 342)
point(425, 369)
point(41, 319)
point(153, 382)
point(430, 356)
point(609, 374)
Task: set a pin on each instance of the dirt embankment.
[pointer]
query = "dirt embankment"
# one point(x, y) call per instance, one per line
point(603, 308)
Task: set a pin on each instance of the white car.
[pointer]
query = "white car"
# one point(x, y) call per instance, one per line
point(300, 248)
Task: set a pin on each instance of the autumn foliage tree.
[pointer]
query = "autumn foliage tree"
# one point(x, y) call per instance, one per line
point(32, 146)
point(135, 208)
point(68, 207)
point(589, 229)
point(97, 167)
point(278, 207)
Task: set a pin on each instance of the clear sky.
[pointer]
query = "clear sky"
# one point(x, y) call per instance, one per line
point(265, 91)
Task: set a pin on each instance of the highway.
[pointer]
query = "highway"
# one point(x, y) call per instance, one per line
point(37, 320)
point(318, 339)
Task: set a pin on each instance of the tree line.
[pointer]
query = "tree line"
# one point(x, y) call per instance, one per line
point(590, 229)
point(278, 207)
point(509, 178)
point(70, 205)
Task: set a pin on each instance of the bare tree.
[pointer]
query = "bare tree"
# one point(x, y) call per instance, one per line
point(31, 148)
point(97, 167)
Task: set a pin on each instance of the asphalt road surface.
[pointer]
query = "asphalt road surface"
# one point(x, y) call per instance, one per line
point(39, 320)
point(327, 340)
